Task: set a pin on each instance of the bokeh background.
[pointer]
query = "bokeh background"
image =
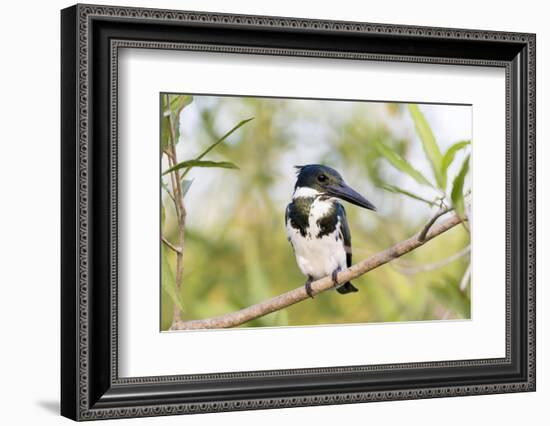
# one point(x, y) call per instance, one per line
point(236, 249)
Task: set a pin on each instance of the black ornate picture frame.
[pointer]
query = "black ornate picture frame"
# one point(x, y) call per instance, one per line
point(91, 387)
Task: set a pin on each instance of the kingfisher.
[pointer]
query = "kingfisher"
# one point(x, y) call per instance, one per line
point(316, 224)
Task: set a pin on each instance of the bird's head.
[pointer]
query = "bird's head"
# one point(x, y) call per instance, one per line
point(316, 179)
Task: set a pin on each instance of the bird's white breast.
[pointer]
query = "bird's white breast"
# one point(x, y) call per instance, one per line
point(318, 257)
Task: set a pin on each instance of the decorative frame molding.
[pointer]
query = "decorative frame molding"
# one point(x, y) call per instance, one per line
point(91, 37)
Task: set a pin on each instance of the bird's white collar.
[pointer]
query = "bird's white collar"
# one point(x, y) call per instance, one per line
point(305, 192)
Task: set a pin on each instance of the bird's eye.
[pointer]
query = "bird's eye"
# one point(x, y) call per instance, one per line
point(321, 178)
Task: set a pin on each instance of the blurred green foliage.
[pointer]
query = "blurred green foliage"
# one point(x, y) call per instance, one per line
point(236, 250)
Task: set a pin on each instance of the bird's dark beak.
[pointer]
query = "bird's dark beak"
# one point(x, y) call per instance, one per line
point(346, 193)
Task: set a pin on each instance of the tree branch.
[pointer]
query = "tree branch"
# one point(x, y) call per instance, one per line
point(441, 212)
point(411, 268)
point(299, 294)
point(180, 210)
point(170, 245)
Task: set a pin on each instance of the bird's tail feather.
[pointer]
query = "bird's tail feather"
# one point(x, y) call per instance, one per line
point(347, 288)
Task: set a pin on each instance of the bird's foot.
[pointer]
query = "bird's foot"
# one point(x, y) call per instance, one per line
point(308, 288)
point(335, 276)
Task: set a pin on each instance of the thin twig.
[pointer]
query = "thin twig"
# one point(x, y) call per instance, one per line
point(443, 210)
point(168, 153)
point(299, 294)
point(413, 268)
point(170, 245)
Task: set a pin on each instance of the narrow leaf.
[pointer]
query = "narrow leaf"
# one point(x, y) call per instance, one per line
point(224, 137)
point(178, 102)
point(175, 124)
point(458, 186)
point(448, 159)
point(201, 163)
point(400, 163)
point(165, 132)
point(185, 185)
point(219, 141)
point(172, 106)
point(431, 149)
point(398, 190)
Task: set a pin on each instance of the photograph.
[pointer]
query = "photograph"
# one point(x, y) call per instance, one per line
point(268, 210)
point(266, 203)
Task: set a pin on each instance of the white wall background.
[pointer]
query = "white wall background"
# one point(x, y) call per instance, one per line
point(29, 211)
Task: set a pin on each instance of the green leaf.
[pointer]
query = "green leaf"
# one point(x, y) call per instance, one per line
point(431, 149)
point(178, 102)
point(400, 163)
point(175, 121)
point(448, 159)
point(398, 190)
point(162, 216)
point(168, 281)
point(220, 140)
point(164, 132)
point(185, 185)
point(458, 186)
point(201, 163)
point(172, 106)
point(224, 137)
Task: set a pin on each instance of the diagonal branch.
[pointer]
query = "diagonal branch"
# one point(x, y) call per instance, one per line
point(299, 294)
point(171, 246)
point(412, 268)
point(441, 212)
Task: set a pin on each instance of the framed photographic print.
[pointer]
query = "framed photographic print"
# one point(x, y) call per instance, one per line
point(263, 212)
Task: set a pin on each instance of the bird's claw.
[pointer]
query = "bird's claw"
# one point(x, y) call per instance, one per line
point(308, 288)
point(335, 276)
